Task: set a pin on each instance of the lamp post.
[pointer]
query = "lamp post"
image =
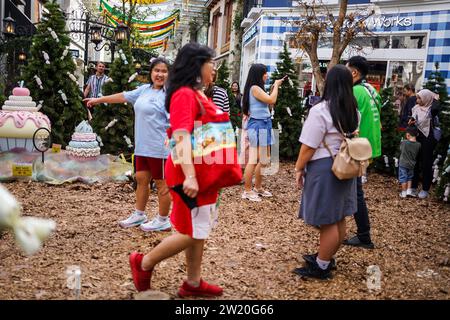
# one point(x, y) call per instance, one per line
point(22, 56)
point(9, 32)
point(122, 33)
point(96, 32)
point(9, 27)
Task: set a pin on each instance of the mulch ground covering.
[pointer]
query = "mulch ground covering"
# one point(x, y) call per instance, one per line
point(251, 254)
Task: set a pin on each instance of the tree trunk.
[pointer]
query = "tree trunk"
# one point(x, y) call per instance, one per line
point(320, 81)
point(337, 34)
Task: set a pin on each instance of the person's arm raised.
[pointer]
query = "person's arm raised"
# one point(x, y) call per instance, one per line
point(114, 98)
point(262, 96)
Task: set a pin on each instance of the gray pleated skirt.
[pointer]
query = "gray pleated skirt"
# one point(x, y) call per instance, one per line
point(325, 198)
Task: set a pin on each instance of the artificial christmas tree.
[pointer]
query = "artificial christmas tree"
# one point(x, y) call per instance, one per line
point(2, 94)
point(436, 83)
point(223, 76)
point(288, 110)
point(390, 136)
point(114, 123)
point(443, 180)
point(49, 75)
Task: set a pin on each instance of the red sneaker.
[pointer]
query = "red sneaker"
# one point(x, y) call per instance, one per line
point(203, 290)
point(141, 278)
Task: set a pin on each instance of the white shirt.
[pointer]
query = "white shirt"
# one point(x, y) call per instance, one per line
point(317, 126)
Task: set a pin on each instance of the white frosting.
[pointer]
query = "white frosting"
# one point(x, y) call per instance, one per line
point(83, 152)
point(26, 104)
point(20, 98)
point(9, 108)
point(84, 127)
point(88, 146)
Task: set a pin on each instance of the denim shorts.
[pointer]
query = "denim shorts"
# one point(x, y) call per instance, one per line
point(405, 174)
point(260, 132)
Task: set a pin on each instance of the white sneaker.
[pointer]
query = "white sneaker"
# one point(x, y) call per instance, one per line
point(423, 194)
point(156, 225)
point(403, 194)
point(263, 193)
point(251, 195)
point(411, 193)
point(134, 220)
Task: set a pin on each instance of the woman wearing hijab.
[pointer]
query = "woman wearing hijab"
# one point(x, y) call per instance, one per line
point(423, 114)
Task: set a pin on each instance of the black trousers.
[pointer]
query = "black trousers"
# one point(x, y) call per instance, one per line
point(362, 215)
point(424, 163)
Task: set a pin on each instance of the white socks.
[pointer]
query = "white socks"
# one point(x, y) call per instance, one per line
point(142, 213)
point(161, 218)
point(322, 264)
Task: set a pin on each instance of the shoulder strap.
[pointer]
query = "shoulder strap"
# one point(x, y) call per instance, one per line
point(371, 95)
point(327, 147)
point(202, 107)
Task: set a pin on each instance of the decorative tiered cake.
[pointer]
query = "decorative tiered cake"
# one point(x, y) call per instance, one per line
point(19, 120)
point(84, 142)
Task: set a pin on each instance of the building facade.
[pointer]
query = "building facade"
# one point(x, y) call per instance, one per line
point(222, 36)
point(408, 38)
point(25, 13)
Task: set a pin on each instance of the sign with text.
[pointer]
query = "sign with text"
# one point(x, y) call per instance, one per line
point(22, 169)
point(75, 53)
point(56, 148)
point(250, 34)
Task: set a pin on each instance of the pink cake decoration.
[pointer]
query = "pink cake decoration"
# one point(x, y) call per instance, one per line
point(22, 92)
point(21, 117)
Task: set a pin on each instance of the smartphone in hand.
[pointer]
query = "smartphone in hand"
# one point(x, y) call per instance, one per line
point(190, 202)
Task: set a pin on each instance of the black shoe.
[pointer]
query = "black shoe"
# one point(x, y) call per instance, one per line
point(311, 259)
point(312, 270)
point(356, 242)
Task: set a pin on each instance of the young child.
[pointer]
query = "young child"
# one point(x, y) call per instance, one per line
point(409, 149)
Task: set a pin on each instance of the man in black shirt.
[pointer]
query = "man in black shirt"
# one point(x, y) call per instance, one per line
point(409, 92)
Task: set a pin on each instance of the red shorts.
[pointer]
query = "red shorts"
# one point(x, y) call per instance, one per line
point(154, 165)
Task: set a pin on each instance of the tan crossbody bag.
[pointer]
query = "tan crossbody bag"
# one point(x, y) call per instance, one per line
point(353, 157)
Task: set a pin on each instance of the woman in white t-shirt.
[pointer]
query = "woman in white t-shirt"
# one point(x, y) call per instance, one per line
point(326, 200)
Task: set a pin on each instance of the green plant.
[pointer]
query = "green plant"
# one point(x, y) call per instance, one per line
point(288, 109)
point(390, 137)
point(57, 85)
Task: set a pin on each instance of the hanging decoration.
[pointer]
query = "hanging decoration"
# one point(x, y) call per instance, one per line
point(156, 32)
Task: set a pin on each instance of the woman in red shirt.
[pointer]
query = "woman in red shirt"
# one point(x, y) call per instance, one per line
point(193, 214)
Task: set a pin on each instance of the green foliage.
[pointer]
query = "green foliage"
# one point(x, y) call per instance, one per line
point(2, 94)
point(223, 76)
point(113, 138)
point(288, 97)
point(436, 83)
point(444, 178)
point(64, 117)
point(390, 137)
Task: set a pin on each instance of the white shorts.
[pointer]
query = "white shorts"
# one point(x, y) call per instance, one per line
point(204, 220)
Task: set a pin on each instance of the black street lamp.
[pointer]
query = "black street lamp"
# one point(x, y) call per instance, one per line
point(96, 34)
point(122, 33)
point(22, 56)
point(9, 26)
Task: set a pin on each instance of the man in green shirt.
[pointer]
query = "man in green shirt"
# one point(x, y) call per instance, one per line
point(369, 105)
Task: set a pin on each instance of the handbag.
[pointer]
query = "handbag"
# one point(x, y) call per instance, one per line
point(353, 157)
point(214, 150)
